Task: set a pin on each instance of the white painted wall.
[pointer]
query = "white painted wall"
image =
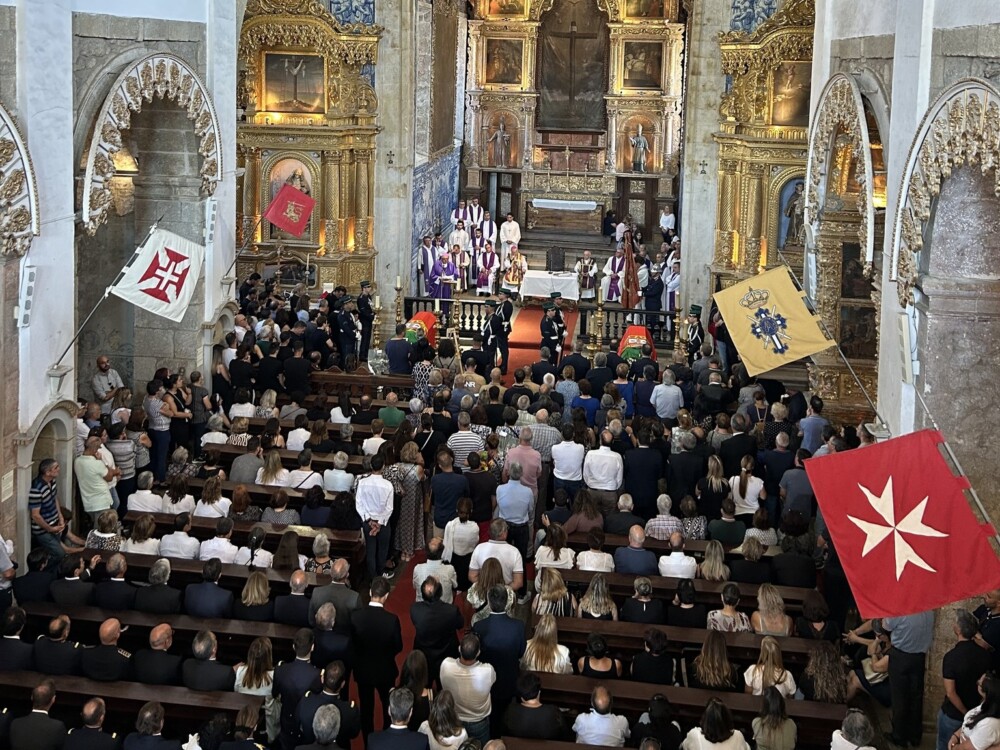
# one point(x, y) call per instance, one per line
point(169, 10)
point(966, 13)
point(856, 18)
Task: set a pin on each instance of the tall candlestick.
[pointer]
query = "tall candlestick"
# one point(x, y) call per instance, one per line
point(399, 283)
point(377, 305)
point(437, 304)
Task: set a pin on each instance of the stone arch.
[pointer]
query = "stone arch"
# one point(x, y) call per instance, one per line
point(961, 127)
point(20, 221)
point(55, 430)
point(162, 75)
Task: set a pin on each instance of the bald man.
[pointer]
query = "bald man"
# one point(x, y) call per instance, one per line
point(635, 559)
point(293, 608)
point(339, 592)
point(600, 726)
point(155, 665)
point(107, 662)
point(91, 735)
point(441, 570)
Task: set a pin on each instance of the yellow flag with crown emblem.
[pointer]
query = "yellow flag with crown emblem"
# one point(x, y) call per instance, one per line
point(769, 322)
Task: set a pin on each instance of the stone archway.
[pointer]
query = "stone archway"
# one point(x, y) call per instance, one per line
point(161, 75)
point(19, 217)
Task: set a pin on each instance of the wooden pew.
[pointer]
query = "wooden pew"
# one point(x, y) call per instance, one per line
point(621, 586)
point(361, 431)
point(289, 459)
point(815, 721)
point(186, 710)
point(627, 638)
point(234, 636)
point(358, 385)
point(693, 547)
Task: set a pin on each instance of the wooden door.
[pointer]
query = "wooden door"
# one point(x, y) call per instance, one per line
point(637, 196)
point(507, 186)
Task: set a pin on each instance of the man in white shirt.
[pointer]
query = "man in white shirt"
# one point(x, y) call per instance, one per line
point(219, 546)
point(371, 445)
point(668, 398)
point(437, 568)
point(144, 500)
point(374, 504)
point(603, 472)
point(506, 554)
point(180, 543)
point(297, 438)
point(304, 477)
point(668, 222)
point(567, 463)
point(677, 564)
point(470, 682)
point(600, 726)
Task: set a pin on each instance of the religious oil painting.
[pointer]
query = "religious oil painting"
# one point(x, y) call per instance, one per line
point(503, 61)
point(853, 284)
point(791, 214)
point(506, 8)
point(294, 83)
point(295, 173)
point(858, 331)
point(573, 50)
point(644, 8)
point(643, 65)
point(790, 94)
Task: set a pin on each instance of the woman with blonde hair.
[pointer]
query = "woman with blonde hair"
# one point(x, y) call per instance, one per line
point(553, 598)
point(266, 409)
point(543, 652)
point(748, 491)
point(239, 434)
point(121, 406)
point(711, 668)
point(712, 489)
point(770, 617)
point(684, 424)
point(272, 473)
point(642, 607)
point(769, 671)
point(597, 603)
point(490, 574)
point(780, 423)
point(255, 676)
point(713, 567)
point(142, 541)
point(212, 504)
point(255, 602)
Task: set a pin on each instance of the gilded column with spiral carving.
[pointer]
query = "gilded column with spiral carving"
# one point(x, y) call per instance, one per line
point(331, 200)
point(727, 215)
point(751, 218)
point(251, 193)
point(345, 215)
point(362, 161)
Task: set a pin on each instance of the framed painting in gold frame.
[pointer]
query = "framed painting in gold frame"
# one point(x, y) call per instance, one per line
point(294, 82)
point(646, 10)
point(643, 65)
point(789, 94)
point(506, 8)
point(503, 62)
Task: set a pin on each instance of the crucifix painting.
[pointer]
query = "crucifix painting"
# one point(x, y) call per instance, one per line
point(573, 54)
point(294, 83)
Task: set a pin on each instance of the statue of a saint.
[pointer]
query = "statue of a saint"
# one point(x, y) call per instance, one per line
point(501, 145)
point(640, 150)
point(795, 211)
point(298, 181)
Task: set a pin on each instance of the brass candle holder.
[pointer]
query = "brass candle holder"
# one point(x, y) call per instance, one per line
point(678, 342)
point(399, 302)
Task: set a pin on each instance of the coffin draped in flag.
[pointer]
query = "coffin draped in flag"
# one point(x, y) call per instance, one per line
point(769, 322)
point(163, 275)
point(290, 210)
point(902, 527)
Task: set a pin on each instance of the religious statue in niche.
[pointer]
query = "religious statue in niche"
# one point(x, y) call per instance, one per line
point(290, 172)
point(790, 94)
point(503, 61)
point(640, 150)
point(500, 148)
point(793, 208)
point(643, 67)
point(572, 66)
point(294, 83)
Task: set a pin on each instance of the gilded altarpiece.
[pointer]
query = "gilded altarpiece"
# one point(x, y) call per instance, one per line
point(762, 141)
point(513, 120)
point(309, 121)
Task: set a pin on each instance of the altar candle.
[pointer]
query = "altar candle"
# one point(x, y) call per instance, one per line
point(437, 304)
point(399, 283)
point(599, 291)
point(377, 305)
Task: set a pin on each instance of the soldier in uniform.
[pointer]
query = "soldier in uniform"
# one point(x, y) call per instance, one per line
point(90, 736)
point(557, 301)
point(54, 653)
point(347, 322)
point(550, 332)
point(695, 333)
point(367, 314)
point(107, 662)
point(506, 314)
point(492, 332)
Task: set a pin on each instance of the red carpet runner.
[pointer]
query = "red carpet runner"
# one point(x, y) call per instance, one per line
point(526, 336)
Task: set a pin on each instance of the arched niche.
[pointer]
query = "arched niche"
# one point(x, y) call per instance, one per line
point(19, 217)
point(165, 76)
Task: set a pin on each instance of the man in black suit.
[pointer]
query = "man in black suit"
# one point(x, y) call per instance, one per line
point(793, 569)
point(741, 444)
point(435, 623)
point(292, 680)
point(326, 727)
point(339, 593)
point(614, 359)
point(579, 363)
point(37, 730)
point(158, 598)
point(203, 672)
point(686, 468)
point(116, 592)
point(73, 588)
point(15, 654)
point(641, 467)
point(293, 608)
point(149, 725)
point(503, 644)
point(512, 394)
point(623, 519)
point(375, 633)
point(329, 645)
point(529, 718)
point(54, 653)
point(600, 374)
point(638, 367)
point(541, 367)
point(333, 681)
point(155, 665)
point(107, 662)
point(477, 355)
point(365, 414)
point(91, 735)
point(398, 735)
point(33, 586)
point(208, 598)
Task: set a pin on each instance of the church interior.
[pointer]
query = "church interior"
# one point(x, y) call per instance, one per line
point(851, 142)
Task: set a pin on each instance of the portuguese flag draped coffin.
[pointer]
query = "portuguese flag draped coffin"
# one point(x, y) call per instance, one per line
point(422, 324)
point(630, 348)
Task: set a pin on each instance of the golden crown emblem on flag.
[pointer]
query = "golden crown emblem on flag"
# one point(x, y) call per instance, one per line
point(755, 298)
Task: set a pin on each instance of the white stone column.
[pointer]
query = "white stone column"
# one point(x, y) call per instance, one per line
point(45, 114)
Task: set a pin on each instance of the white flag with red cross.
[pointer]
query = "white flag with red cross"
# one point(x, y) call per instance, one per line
point(163, 276)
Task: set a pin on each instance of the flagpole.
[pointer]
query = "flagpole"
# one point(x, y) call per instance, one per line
point(246, 243)
point(107, 291)
point(829, 334)
point(958, 465)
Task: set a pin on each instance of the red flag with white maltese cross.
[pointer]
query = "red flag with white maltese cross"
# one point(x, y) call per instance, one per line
point(162, 277)
point(902, 527)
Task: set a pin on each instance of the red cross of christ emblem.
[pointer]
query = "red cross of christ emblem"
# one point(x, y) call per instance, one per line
point(166, 275)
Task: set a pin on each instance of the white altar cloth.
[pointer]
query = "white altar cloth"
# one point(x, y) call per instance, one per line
point(558, 205)
point(543, 283)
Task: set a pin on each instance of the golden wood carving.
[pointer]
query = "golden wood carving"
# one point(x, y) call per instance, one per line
point(162, 75)
point(19, 215)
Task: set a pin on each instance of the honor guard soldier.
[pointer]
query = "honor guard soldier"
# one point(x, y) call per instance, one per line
point(550, 332)
point(506, 313)
point(493, 332)
point(367, 314)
